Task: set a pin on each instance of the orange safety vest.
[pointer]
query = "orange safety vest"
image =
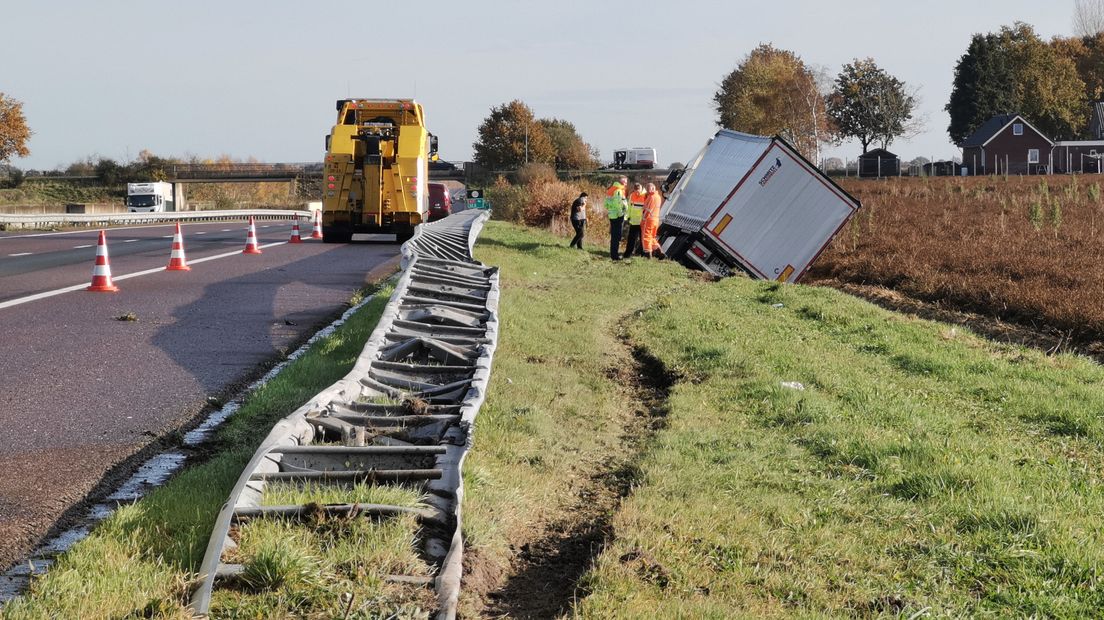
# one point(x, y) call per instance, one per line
point(652, 204)
point(636, 207)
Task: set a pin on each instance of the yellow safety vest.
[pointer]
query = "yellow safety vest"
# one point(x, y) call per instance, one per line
point(615, 201)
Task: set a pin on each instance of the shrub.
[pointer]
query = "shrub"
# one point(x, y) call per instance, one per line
point(548, 202)
point(535, 173)
point(507, 201)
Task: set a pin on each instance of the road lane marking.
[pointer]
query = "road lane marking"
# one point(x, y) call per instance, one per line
point(225, 230)
point(22, 254)
point(78, 232)
point(81, 247)
point(129, 240)
point(202, 232)
point(126, 276)
point(167, 237)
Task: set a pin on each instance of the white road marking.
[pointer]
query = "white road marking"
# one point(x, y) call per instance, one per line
point(225, 230)
point(79, 232)
point(22, 254)
point(202, 232)
point(167, 237)
point(81, 287)
point(81, 247)
point(129, 240)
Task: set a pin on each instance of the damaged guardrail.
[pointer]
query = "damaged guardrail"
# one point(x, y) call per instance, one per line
point(104, 219)
point(403, 415)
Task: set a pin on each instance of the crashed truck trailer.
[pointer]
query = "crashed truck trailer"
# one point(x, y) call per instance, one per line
point(752, 204)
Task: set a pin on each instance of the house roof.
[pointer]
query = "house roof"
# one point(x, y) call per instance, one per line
point(878, 153)
point(990, 128)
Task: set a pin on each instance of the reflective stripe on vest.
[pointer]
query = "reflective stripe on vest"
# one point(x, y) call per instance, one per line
point(636, 207)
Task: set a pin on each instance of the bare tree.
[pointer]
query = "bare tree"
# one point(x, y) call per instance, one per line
point(1088, 17)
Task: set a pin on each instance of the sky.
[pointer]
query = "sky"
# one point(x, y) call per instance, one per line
point(253, 79)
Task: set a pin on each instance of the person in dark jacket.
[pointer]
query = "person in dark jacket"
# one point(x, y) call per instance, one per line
point(579, 220)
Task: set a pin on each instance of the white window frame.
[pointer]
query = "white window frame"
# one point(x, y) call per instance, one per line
point(1017, 129)
point(1031, 160)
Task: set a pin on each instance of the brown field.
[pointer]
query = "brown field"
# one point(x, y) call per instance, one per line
point(1022, 249)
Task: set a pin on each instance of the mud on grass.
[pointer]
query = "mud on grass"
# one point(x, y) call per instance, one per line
point(547, 572)
point(558, 436)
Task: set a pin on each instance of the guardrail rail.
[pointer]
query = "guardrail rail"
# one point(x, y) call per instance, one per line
point(114, 219)
point(403, 415)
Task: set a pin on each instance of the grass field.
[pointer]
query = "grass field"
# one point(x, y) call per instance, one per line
point(1023, 249)
point(814, 456)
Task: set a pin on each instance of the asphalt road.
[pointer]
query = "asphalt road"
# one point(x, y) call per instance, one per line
point(83, 391)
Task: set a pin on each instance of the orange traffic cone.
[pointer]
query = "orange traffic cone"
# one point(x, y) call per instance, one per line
point(101, 272)
point(295, 232)
point(177, 262)
point(251, 239)
point(317, 232)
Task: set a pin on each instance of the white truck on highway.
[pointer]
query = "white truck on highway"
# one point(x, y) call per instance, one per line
point(150, 197)
point(636, 158)
point(752, 204)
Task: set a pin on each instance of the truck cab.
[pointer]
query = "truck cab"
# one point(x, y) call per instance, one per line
point(150, 197)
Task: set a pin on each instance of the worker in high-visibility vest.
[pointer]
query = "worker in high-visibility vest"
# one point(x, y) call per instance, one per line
point(649, 222)
point(636, 211)
point(615, 207)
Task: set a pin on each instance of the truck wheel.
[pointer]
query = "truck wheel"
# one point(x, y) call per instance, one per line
point(336, 235)
point(403, 233)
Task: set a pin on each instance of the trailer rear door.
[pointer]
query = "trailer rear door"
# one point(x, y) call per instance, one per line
point(780, 216)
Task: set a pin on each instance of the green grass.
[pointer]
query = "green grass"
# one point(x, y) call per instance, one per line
point(922, 469)
point(140, 560)
point(53, 192)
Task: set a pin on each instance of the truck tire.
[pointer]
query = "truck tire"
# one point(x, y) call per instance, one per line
point(336, 235)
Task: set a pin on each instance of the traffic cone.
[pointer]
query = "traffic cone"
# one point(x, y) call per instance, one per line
point(317, 232)
point(295, 232)
point(177, 262)
point(251, 239)
point(101, 271)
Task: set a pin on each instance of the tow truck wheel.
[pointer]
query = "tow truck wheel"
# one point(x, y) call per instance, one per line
point(335, 235)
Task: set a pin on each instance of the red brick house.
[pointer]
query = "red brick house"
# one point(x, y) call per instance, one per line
point(1007, 144)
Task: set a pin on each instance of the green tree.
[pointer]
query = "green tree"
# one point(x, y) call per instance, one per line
point(14, 132)
point(572, 152)
point(870, 105)
point(984, 86)
point(1015, 71)
point(772, 91)
point(511, 137)
point(1087, 54)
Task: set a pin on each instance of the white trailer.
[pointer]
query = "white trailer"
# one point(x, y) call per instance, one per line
point(637, 158)
point(752, 204)
point(150, 197)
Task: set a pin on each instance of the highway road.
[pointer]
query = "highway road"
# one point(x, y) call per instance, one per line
point(83, 391)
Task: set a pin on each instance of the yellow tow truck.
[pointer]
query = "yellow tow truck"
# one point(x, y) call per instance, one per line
point(376, 169)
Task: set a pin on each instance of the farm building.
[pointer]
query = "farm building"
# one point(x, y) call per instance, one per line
point(1078, 156)
point(1096, 122)
point(1007, 144)
point(940, 169)
point(879, 163)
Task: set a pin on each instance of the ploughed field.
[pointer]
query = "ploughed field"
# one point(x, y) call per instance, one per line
point(1022, 249)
